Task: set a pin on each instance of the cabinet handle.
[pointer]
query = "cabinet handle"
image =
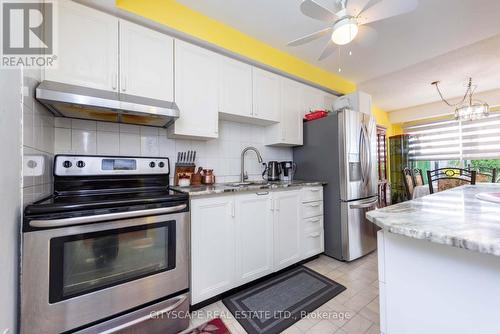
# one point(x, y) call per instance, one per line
point(272, 205)
point(314, 190)
point(317, 220)
point(277, 205)
point(262, 193)
point(114, 79)
point(315, 235)
point(314, 205)
point(124, 84)
point(233, 210)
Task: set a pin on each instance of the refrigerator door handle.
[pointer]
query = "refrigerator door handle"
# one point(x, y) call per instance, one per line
point(365, 205)
point(362, 154)
point(368, 154)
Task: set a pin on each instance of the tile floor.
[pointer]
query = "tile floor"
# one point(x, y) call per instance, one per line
point(354, 311)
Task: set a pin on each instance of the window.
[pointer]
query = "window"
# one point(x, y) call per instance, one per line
point(447, 143)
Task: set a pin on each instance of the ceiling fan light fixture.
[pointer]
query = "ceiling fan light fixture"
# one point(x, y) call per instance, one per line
point(344, 31)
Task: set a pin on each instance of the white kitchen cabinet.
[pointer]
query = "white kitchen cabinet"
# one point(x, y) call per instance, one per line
point(146, 62)
point(266, 95)
point(254, 236)
point(329, 100)
point(312, 99)
point(287, 229)
point(87, 53)
point(236, 239)
point(289, 131)
point(196, 93)
point(235, 90)
point(212, 247)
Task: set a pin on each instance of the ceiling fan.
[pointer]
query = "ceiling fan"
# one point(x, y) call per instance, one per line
point(348, 20)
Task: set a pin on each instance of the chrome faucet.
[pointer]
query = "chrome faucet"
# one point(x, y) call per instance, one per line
point(244, 175)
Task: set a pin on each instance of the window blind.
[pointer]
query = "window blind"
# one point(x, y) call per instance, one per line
point(454, 140)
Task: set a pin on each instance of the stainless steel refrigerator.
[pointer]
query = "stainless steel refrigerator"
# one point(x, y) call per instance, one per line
point(341, 149)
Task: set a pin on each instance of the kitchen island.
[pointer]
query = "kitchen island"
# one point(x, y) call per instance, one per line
point(439, 263)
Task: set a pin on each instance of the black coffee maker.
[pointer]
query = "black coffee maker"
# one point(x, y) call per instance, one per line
point(288, 169)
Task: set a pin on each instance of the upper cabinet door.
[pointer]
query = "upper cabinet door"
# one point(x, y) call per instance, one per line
point(87, 53)
point(291, 112)
point(312, 99)
point(329, 99)
point(146, 62)
point(266, 95)
point(196, 92)
point(235, 88)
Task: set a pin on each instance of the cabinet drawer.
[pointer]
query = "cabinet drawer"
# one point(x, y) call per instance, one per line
point(312, 194)
point(312, 223)
point(312, 242)
point(312, 209)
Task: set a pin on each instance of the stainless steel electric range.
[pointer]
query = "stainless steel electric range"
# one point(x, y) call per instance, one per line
point(108, 251)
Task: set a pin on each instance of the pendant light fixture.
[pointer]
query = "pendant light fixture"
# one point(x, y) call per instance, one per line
point(467, 109)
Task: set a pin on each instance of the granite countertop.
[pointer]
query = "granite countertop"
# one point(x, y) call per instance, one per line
point(454, 217)
point(224, 188)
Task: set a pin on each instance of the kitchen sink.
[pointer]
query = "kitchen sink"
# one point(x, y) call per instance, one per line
point(247, 184)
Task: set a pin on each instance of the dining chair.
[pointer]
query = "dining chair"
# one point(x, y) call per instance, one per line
point(409, 182)
point(450, 177)
point(418, 177)
point(486, 175)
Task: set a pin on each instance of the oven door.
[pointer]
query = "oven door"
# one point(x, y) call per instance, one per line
point(76, 275)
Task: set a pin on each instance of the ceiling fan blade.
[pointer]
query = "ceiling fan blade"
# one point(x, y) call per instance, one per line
point(385, 9)
point(316, 11)
point(310, 37)
point(330, 47)
point(355, 7)
point(366, 36)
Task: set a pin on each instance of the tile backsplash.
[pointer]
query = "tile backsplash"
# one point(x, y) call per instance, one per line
point(74, 136)
point(38, 141)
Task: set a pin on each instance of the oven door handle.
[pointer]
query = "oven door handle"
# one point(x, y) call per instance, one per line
point(105, 217)
point(157, 315)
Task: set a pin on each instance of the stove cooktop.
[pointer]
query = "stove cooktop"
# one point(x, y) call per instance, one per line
point(100, 200)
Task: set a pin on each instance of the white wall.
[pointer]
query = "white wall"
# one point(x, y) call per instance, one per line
point(223, 154)
point(10, 194)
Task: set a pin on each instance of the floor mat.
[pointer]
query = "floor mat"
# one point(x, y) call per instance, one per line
point(277, 303)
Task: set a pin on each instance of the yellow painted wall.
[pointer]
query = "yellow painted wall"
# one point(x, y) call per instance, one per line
point(186, 20)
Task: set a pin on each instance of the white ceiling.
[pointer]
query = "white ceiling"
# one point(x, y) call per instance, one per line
point(411, 51)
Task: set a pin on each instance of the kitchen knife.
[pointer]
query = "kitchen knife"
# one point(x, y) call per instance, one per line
point(194, 156)
point(178, 157)
point(189, 157)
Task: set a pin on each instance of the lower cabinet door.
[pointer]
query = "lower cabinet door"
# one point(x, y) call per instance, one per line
point(212, 247)
point(287, 228)
point(254, 236)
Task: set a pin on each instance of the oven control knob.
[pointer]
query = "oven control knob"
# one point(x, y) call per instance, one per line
point(80, 164)
point(67, 164)
point(161, 164)
point(152, 164)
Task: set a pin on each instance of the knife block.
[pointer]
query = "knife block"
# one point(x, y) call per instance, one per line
point(183, 168)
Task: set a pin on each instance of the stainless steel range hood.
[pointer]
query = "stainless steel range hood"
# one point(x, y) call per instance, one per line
point(86, 103)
